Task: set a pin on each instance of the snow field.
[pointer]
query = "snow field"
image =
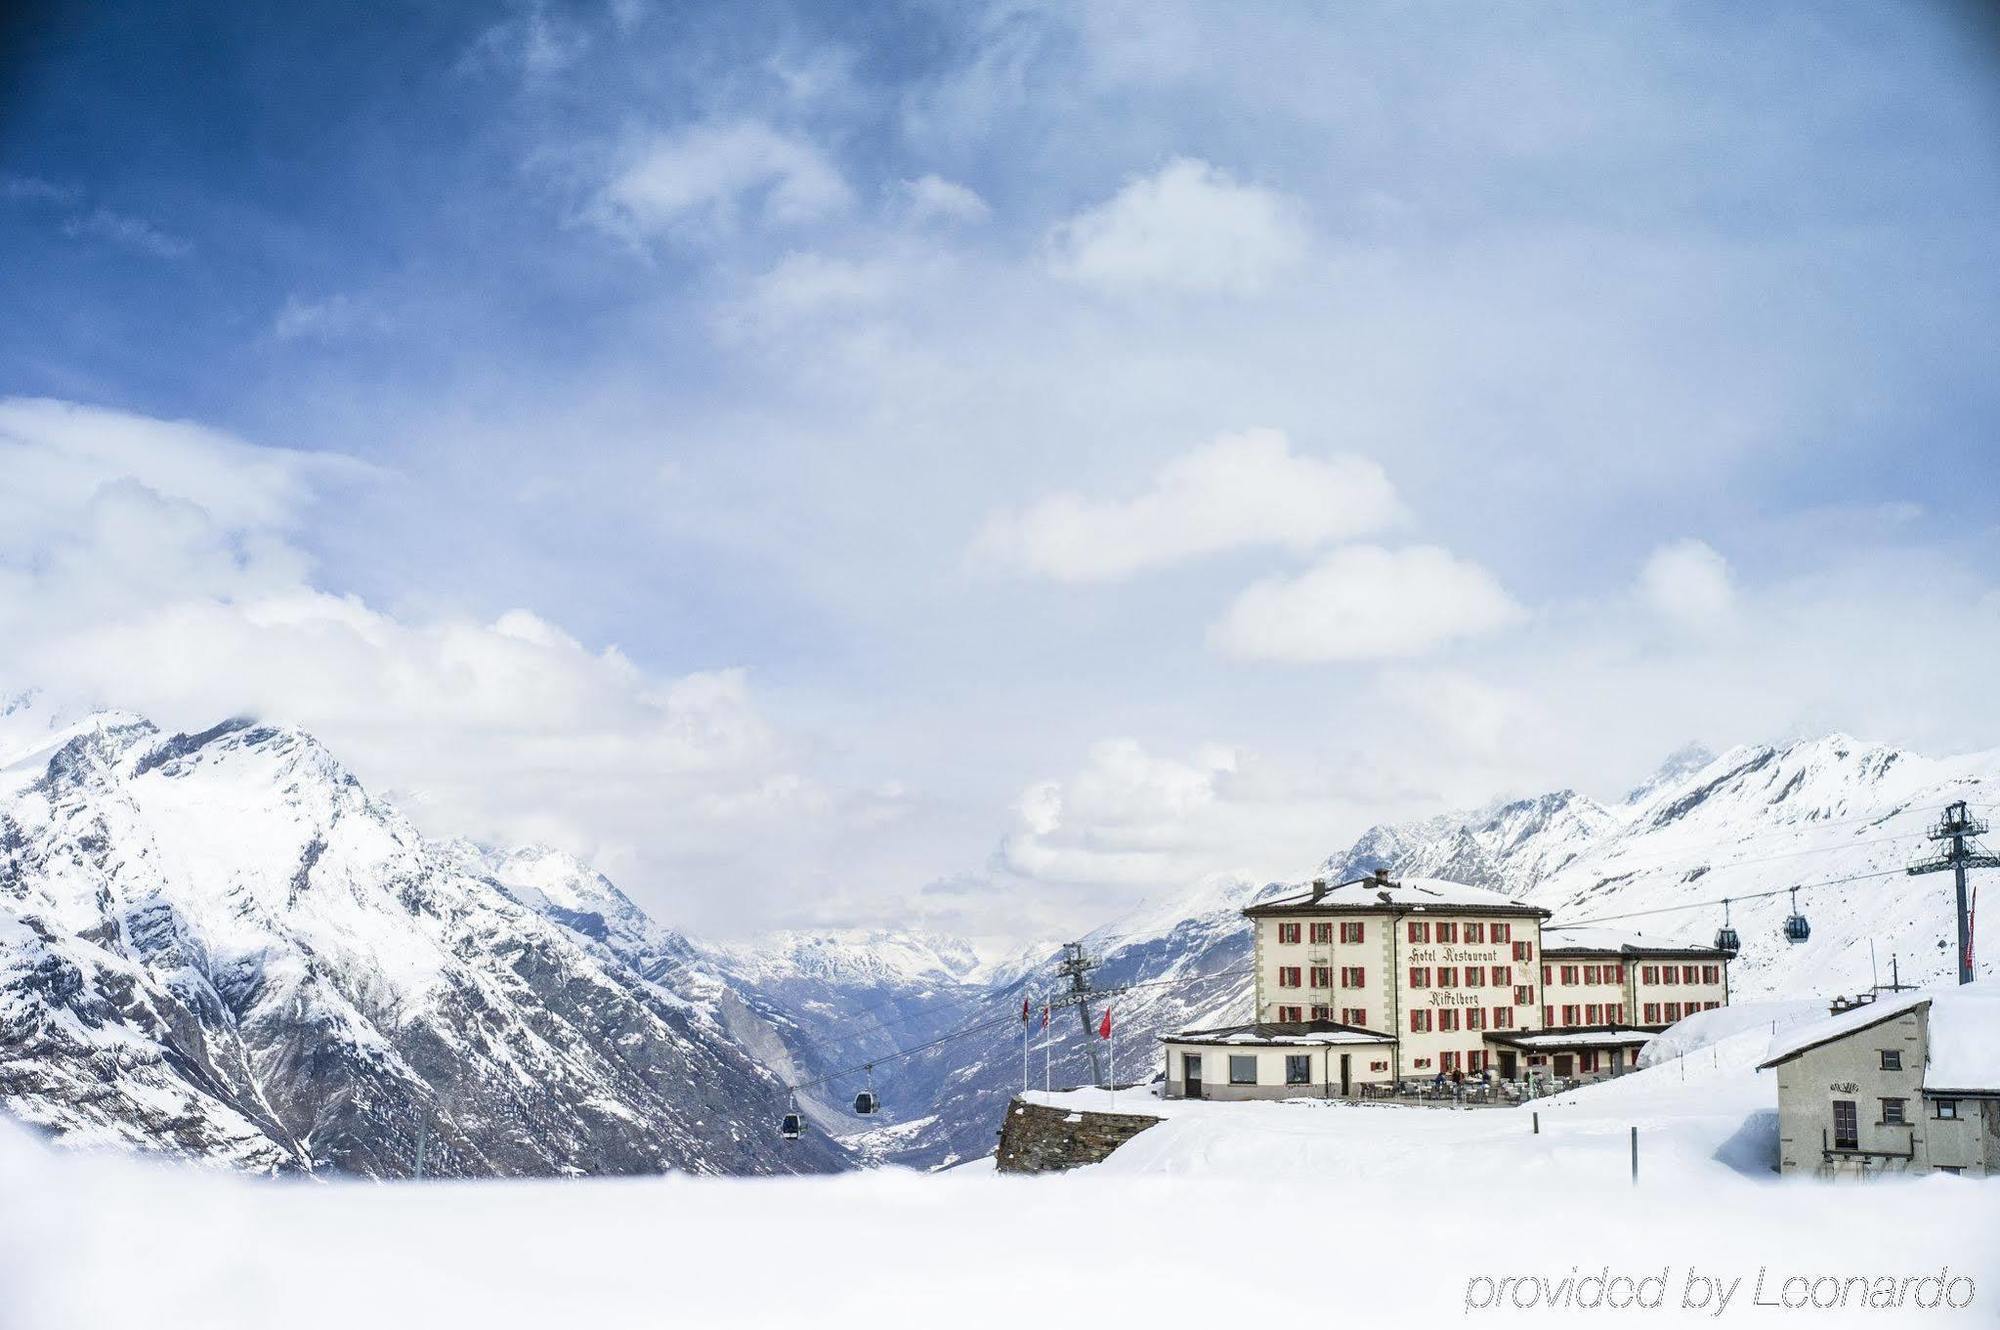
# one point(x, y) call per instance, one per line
point(1224, 1211)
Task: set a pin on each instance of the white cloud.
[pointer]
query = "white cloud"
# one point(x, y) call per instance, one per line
point(1364, 602)
point(1131, 819)
point(710, 177)
point(932, 198)
point(1188, 228)
point(1688, 583)
point(1242, 490)
point(150, 565)
point(805, 285)
point(328, 319)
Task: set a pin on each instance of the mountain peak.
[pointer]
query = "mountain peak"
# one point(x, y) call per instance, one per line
point(1683, 762)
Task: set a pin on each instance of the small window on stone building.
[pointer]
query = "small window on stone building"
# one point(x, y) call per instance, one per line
point(1892, 1112)
point(1242, 1069)
point(1892, 1059)
point(1947, 1109)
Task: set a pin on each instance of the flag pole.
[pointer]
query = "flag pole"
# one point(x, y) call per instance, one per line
point(1048, 1053)
point(1111, 1038)
point(1024, 1044)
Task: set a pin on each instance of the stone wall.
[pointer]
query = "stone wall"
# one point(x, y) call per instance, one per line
point(1035, 1139)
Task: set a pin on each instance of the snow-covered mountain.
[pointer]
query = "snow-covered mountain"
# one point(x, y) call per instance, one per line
point(219, 944)
point(1834, 816)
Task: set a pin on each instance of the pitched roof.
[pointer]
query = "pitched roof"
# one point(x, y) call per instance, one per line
point(1404, 893)
point(1585, 1036)
point(1801, 1038)
point(1560, 938)
point(1963, 1033)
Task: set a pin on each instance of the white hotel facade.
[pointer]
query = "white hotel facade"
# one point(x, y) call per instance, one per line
point(1378, 981)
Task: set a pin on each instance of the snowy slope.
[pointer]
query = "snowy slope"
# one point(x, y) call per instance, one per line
point(1755, 820)
point(1213, 1216)
point(220, 944)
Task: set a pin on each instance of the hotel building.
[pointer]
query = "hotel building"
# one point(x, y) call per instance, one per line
point(1381, 980)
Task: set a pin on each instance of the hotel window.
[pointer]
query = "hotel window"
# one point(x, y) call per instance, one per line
point(1503, 976)
point(1448, 1018)
point(1475, 932)
point(1475, 976)
point(1353, 976)
point(1419, 931)
point(1892, 1059)
point(1320, 1011)
point(1652, 1013)
point(1710, 1006)
point(1502, 932)
point(1649, 974)
point(1475, 1060)
point(1290, 1014)
point(1593, 1014)
point(1548, 1016)
point(1586, 1060)
point(1673, 975)
point(1524, 995)
point(1475, 1018)
point(1503, 1018)
point(1615, 1014)
point(1892, 1112)
point(1322, 976)
point(1354, 1016)
point(1673, 1012)
point(1548, 975)
point(1423, 1062)
point(1846, 1125)
point(1420, 976)
point(1288, 976)
point(1288, 933)
point(1322, 932)
point(1569, 973)
point(1947, 1109)
point(1447, 976)
point(1617, 974)
point(1448, 1061)
point(1298, 1069)
point(1711, 974)
point(1590, 974)
point(1524, 951)
point(1447, 931)
point(1351, 932)
point(1570, 1015)
point(1420, 1021)
point(1242, 1068)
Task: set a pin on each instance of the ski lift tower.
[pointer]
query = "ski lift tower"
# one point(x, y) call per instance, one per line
point(1076, 967)
point(1956, 827)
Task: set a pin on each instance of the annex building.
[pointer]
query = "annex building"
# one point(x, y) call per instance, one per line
point(1905, 1083)
point(1380, 981)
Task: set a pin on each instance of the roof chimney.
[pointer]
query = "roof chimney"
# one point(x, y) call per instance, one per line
point(1319, 889)
point(1381, 877)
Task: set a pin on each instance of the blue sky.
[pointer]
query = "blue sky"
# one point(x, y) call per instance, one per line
point(980, 464)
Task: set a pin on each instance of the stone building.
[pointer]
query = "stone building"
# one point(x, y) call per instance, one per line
point(1906, 1083)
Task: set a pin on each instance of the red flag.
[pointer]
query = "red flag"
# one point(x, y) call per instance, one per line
point(1104, 1026)
point(1045, 1015)
point(1024, 1011)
